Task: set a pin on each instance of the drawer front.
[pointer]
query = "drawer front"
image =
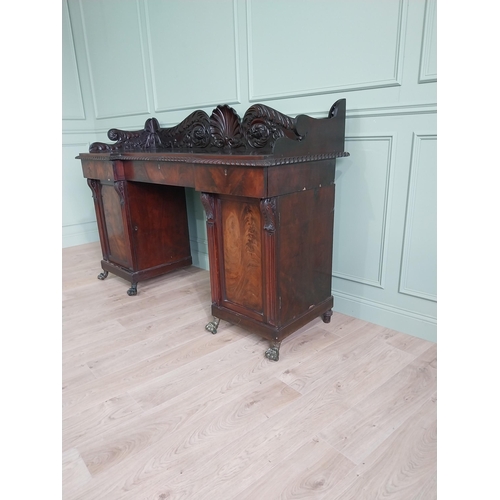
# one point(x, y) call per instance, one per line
point(98, 169)
point(236, 181)
point(158, 172)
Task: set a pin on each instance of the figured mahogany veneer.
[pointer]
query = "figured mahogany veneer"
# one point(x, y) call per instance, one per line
point(267, 187)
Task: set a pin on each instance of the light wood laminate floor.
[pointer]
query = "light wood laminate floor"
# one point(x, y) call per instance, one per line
point(155, 407)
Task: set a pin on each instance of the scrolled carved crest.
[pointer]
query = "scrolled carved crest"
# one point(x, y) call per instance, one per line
point(222, 131)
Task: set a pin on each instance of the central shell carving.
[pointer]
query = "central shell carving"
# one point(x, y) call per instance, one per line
point(225, 127)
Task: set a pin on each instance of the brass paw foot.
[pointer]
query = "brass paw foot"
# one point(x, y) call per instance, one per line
point(212, 326)
point(273, 353)
point(103, 275)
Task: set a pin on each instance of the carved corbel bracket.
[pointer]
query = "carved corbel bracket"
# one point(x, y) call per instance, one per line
point(94, 187)
point(208, 202)
point(120, 189)
point(268, 210)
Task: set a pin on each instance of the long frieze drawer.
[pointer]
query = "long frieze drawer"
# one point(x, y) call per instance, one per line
point(98, 169)
point(237, 181)
point(158, 172)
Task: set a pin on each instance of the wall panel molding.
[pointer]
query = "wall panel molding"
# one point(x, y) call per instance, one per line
point(73, 108)
point(406, 109)
point(392, 80)
point(116, 91)
point(376, 111)
point(428, 66)
point(378, 280)
point(421, 193)
point(209, 69)
point(78, 216)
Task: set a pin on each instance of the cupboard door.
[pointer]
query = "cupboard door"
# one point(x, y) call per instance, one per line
point(117, 230)
point(242, 258)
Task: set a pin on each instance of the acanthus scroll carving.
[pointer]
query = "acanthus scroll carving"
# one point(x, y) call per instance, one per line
point(192, 132)
point(148, 138)
point(260, 128)
point(263, 126)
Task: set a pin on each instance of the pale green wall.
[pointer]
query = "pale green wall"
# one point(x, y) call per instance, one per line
point(125, 60)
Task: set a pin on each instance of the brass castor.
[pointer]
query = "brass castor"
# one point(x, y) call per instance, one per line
point(212, 326)
point(326, 317)
point(273, 353)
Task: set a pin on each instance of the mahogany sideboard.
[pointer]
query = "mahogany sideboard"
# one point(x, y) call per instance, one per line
point(267, 184)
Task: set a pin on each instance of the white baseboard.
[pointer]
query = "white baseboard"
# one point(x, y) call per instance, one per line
point(79, 234)
point(392, 317)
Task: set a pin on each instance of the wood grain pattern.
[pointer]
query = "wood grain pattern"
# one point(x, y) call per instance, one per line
point(302, 474)
point(75, 474)
point(116, 230)
point(237, 181)
point(368, 423)
point(241, 225)
point(157, 408)
point(403, 466)
point(91, 423)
